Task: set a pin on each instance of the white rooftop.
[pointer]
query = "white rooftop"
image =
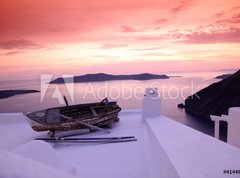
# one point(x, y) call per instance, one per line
point(165, 148)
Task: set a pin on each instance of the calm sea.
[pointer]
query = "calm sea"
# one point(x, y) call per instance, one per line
point(127, 93)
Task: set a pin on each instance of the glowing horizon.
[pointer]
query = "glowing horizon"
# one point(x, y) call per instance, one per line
point(117, 37)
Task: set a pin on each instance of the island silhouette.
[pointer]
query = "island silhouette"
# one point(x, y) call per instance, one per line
point(99, 77)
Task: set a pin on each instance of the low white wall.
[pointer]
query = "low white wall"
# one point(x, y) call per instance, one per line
point(159, 163)
point(179, 151)
point(233, 136)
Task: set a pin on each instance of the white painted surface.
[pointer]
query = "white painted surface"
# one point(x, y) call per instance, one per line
point(118, 160)
point(151, 104)
point(165, 148)
point(234, 126)
point(179, 151)
point(16, 166)
point(233, 120)
point(186, 153)
point(44, 153)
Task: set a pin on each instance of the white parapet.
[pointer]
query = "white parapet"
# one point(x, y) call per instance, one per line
point(233, 124)
point(151, 104)
point(178, 151)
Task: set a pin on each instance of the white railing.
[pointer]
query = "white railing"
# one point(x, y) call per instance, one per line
point(233, 125)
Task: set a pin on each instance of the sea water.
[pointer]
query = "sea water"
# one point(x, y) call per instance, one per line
point(128, 94)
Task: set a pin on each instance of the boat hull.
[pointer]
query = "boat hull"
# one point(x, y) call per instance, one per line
point(49, 120)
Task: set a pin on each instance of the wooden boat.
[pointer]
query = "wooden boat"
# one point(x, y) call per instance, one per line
point(81, 116)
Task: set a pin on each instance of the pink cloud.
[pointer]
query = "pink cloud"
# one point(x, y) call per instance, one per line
point(18, 44)
point(236, 8)
point(231, 35)
point(148, 48)
point(218, 15)
point(127, 29)
point(108, 46)
point(55, 21)
point(161, 21)
point(234, 19)
point(11, 53)
point(150, 38)
point(51, 21)
point(142, 25)
point(180, 5)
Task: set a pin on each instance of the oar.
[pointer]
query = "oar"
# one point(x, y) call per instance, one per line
point(89, 138)
point(86, 124)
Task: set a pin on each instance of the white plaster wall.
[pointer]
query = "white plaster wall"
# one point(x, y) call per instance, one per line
point(159, 163)
point(182, 152)
point(233, 136)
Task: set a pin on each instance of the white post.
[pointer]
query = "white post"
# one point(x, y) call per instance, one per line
point(216, 120)
point(151, 104)
point(216, 129)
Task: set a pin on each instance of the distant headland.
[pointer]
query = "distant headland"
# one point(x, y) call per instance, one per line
point(9, 93)
point(215, 99)
point(224, 76)
point(100, 77)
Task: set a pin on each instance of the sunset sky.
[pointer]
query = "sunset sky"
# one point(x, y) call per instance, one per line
point(117, 37)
